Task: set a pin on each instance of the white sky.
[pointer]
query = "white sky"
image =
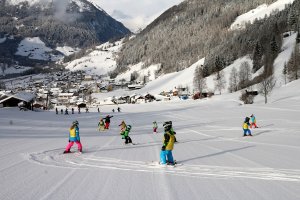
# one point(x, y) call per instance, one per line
point(142, 12)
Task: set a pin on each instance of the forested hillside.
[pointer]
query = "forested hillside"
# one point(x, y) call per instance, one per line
point(201, 28)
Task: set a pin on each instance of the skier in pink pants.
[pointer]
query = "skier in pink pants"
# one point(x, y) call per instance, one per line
point(74, 137)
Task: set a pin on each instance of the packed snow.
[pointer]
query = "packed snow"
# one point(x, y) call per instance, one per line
point(216, 161)
point(259, 13)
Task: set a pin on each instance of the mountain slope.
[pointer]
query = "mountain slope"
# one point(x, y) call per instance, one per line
point(187, 32)
point(57, 23)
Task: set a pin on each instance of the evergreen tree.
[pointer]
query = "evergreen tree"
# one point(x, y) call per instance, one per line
point(284, 72)
point(292, 19)
point(274, 46)
point(293, 67)
point(257, 56)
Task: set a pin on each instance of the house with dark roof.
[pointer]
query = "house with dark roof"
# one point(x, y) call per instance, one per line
point(14, 100)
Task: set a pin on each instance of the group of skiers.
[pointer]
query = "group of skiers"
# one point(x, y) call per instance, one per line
point(166, 156)
point(104, 123)
point(249, 122)
point(169, 139)
point(66, 111)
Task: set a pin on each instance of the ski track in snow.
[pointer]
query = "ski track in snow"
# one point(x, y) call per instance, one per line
point(87, 161)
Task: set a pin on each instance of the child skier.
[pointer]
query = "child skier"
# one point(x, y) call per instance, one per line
point(174, 133)
point(125, 132)
point(246, 127)
point(166, 156)
point(101, 125)
point(253, 121)
point(74, 137)
point(123, 126)
point(155, 127)
point(107, 121)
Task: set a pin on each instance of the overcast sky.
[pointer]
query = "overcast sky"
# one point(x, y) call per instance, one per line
point(135, 14)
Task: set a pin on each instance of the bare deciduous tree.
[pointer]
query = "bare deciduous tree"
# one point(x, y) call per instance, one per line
point(266, 86)
point(233, 80)
point(220, 81)
point(199, 80)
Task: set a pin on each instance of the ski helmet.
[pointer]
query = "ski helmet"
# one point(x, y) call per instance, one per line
point(167, 126)
point(75, 123)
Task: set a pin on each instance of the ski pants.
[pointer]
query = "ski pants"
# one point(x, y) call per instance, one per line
point(166, 156)
point(71, 143)
point(247, 131)
point(253, 124)
point(127, 140)
point(106, 125)
point(154, 130)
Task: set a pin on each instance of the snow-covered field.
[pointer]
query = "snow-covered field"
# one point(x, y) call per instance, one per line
point(218, 163)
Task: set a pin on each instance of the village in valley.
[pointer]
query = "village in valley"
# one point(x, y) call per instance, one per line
point(65, 90)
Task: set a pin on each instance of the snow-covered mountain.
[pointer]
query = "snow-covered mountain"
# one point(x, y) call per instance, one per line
point(56, 25)
point(96, 61)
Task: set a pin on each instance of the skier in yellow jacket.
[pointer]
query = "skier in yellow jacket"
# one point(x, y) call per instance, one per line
point(246, 125)
point(166, 156)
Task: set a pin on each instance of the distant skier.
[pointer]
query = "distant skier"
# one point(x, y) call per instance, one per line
point(155, 127)
point(119, 109)
point(246, 125)
point(113, 110)
point(74, 137)
point(72, 110)
point(61, 111)
point(101, 125)
point(78, 110)
point(107, 121)
point(253, 121)
point(87, 110)
point(98, 110)
point(66, 111)
point(125, 132)
point(166, 156)
point(56, 111)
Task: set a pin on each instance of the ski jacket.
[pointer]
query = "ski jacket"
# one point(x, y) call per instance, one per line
point(74, 134)
point(169, 140)
point(123, 126)
point(125, 133)
point(101, 123)
point(246, 125)
point(107, 119)
point(155, 125)
point(253, 120)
